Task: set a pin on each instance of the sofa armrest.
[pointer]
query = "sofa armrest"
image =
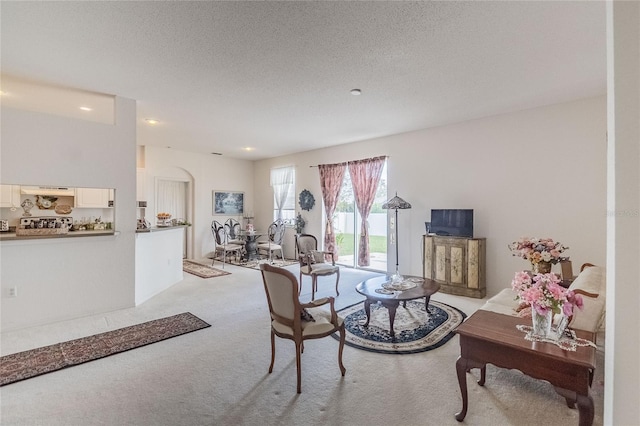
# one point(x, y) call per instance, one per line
point(591, 284)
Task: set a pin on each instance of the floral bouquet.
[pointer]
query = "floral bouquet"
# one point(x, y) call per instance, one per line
point(537, 250)
point(544, 293)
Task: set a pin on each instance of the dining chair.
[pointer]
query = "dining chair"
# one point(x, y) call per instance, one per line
point(233, 228)
point(275, 235)
point(297, 321)
point(313, 263)
point(222, 245)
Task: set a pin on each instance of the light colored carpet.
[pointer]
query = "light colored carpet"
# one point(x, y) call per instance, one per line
point(218, 376)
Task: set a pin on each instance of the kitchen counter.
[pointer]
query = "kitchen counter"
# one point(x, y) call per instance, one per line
point(159, 228)
point(158, 260)
point(11, 236)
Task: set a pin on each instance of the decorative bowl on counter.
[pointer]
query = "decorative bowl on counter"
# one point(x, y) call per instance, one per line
point(164, 219)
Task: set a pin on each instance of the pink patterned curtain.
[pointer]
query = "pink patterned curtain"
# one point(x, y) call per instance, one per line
point(331, 176)
point(365, 176)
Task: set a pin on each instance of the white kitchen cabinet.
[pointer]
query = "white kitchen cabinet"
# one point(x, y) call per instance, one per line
point(9, 195)
point(92, 197)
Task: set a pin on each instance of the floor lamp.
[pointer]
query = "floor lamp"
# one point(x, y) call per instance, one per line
point(396, 203)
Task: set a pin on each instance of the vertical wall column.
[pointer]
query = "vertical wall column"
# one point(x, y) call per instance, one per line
point(622, 371)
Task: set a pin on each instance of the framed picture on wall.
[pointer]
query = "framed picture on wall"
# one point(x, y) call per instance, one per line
point(228, 203)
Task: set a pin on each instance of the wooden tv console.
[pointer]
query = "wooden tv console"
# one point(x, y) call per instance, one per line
point(456, 263)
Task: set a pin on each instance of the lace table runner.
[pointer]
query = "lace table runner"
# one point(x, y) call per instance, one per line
point(569, 341)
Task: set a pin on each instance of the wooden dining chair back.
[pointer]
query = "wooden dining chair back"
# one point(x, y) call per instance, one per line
point(313, 262)
point(296, 321)
point(222, 245)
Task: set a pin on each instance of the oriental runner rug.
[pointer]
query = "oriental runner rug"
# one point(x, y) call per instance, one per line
point(34, 362)
point(415, 329)
point(255, 264)
point(202, 271)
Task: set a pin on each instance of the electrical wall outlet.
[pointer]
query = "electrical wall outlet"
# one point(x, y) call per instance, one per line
point(13, 292)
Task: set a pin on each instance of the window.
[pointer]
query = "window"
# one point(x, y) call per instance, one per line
point(284, 196)
point(346, 225)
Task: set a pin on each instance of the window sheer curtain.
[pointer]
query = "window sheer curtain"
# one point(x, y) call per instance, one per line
point(282, 180)
point(331, 176)
point(365, 177)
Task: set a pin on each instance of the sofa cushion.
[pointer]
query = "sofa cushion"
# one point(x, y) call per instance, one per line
point(591, 281)
point(502, 303)
point(591, 284)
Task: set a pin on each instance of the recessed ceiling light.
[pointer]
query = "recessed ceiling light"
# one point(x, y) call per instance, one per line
point(356, 92)
point(248, 148)
point(151, 120)
point(84, 108)
point(216, 153)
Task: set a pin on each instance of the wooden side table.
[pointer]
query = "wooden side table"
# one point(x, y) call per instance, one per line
point(491, 338)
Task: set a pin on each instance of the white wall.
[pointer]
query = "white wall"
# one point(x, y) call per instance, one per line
point(208, 172)
point(622, 386)
point(539, 172)
point(59, 279)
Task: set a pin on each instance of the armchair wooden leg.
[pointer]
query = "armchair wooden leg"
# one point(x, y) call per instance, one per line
point(273, 351)
point(298, 366)
point(314, 286)
point(340, 348)
point(337, 279)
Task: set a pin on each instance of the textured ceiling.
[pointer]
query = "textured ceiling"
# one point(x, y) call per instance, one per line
point(276, 76)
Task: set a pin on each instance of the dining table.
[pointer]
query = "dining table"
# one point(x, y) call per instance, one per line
point(251, 244)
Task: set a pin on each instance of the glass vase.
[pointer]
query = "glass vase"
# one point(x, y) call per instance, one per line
point(562, 326)
point(541, 323)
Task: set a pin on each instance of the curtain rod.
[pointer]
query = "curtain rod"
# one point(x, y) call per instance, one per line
point(354, 161)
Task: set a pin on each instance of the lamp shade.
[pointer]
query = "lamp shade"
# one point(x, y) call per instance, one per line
point(396, 203)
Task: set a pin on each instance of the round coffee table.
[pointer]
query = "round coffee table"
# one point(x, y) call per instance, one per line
point(374, 290)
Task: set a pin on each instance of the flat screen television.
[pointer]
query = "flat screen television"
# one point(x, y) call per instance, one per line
point(452, 222)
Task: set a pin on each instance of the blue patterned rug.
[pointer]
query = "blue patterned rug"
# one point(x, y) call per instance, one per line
point(416, 331)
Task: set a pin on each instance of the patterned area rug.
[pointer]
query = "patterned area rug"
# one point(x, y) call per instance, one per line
point(255, 264)
point(202, 271)
point(28, 364)
point(416, 331)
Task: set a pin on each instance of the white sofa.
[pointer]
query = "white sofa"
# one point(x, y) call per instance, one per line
point(590, 283)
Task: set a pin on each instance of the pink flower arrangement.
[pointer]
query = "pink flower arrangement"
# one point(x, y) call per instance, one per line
point(537, 250)
point(544, 293)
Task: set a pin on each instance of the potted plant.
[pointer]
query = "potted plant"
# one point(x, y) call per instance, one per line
point(299, 223)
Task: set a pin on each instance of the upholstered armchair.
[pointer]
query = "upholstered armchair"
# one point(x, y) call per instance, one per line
point(313, 263)
point(295, 321)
